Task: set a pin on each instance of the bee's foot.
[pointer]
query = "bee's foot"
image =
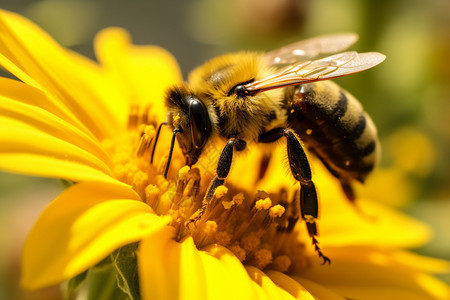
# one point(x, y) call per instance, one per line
point(191, 222)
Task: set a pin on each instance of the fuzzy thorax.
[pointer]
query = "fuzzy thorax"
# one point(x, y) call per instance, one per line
point(237, 116)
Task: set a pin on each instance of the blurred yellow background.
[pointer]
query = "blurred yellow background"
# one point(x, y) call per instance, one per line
point(408, 96)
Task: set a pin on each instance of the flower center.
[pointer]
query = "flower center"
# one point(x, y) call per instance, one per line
point(257, 227)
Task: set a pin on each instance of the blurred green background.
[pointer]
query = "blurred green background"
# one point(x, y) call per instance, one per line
point(408, 96)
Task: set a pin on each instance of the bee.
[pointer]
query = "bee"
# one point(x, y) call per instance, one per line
point(250, 97)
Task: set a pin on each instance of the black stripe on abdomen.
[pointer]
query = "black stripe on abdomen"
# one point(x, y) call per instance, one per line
point(368, 149)
point(337, 128)
point(358, 128)
point(341, 107)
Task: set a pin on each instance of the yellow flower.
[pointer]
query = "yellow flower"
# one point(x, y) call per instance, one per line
point(93, 124)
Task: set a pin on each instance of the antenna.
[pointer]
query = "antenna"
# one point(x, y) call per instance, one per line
point(156, 140)
point(172, 144)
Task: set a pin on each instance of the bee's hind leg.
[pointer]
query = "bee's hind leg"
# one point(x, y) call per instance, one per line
point(301, 170)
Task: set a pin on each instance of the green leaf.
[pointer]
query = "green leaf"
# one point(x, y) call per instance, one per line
point(102, 284)
point(74, 284)
point(105, 263)
point(125, 262)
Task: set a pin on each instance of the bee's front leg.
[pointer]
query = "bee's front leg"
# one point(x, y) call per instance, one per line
point(222, 170)
point(300, 169)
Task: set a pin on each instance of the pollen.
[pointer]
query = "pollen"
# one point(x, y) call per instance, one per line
point(228, 204)
point(251, 242)
point(220, 192)
point(140, 180)
point(254, 225)
point(281, 263)
point(240, 253)
point(261, 258)
point(148, 133)
point(276, 211)
point(176, 120)
point(183, 173)
point(263, 204)
point(239, 198)
point(165, 203)
point(309, 219)
point(209, 227)
point(151, 194)
point(222, 238)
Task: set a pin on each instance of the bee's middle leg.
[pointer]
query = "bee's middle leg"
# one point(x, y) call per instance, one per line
point(222, 170)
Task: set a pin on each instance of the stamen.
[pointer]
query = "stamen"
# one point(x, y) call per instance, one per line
point(138, 115)
point(209, 227)
point(152, 195)
point(240, 253)
point(261, 258)
point(258, 228)
point(140, 181)
point(220, 191)
point(222, 238)
point(215, 211)
point(238, 198)
point(276, 211)
point(265, 204)
point(146, 139)
point(133, 116)
point(227, 204)
point(166, 201)
point(281, 263)
point(205, 232)
point(184, 173)
point(144, 117)
point(251, 242)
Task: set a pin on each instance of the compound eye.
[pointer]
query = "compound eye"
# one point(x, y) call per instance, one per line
point(199, 122)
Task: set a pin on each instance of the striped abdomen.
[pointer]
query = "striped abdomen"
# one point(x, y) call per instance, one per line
point(333, 124)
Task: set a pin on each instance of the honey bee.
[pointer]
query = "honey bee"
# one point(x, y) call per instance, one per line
point(250, 97)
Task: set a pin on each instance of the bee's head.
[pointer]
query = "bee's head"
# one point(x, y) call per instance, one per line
point(188, 116)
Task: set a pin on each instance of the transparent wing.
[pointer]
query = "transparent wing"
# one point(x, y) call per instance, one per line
point(337, 65)
point(311, 48)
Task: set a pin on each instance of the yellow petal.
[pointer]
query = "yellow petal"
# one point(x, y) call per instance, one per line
point(158, 263)
point(340, 222)
point(27, 150)
point(423, 263)
point(291, 286)
point(172, 270)
point(101, 98)
point(319, 291)
point(191, 266)
point(41, 120)
point(19, 91)
point(35, 58)
point(367, 273)
point(370, 223)
point(226, 277)
point(81, 227)
point(269, 289)
point(146, 71)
